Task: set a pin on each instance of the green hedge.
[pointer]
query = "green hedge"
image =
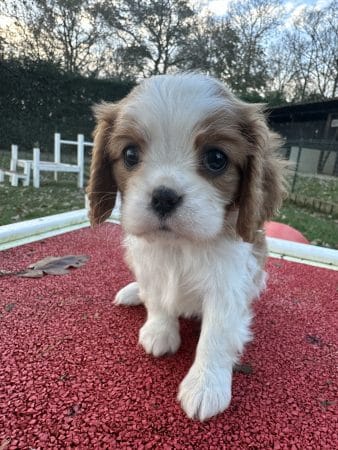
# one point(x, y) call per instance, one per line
point(37, 100)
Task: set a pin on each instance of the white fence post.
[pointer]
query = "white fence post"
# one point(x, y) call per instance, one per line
point(57, 151)
point(14, 156)
point(14, 161)
point(80, 159)
point(36, 167)
point(27, 172)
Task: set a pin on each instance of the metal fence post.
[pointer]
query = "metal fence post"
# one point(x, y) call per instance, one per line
point(300, 148)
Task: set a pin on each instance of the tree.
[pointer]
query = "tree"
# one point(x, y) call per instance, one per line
point(62, 31)
point(320, 33)
point(150, 31)
point(280, 68)
point(252, 21)
point(303, 63)
point(251, 48)
point(211, 47)
point(233, 47)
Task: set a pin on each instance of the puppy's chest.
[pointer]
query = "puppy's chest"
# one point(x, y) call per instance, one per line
point(168, 276)
point(181, 293)
point(178, 290)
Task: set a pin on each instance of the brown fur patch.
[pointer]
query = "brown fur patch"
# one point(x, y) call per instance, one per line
point(114, 132)
point(254, 178)
point(262, 188)
point(102, 187)
point(217, 131)
point(127, 132)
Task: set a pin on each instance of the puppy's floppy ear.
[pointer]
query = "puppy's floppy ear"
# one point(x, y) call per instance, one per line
point(262, 185)
point(102, 186)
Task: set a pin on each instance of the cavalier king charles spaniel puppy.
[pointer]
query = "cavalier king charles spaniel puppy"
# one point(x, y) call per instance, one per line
point(199, 175)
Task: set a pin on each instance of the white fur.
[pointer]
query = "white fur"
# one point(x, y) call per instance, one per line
point(215, 281)
point(128, 296)
point(193, 269)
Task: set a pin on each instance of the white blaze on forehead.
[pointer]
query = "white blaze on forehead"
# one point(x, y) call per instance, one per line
point(169, 108)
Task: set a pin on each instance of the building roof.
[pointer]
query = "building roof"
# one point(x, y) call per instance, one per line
point(303, 111)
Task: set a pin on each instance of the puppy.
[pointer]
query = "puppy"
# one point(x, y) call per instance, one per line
point(198, 175)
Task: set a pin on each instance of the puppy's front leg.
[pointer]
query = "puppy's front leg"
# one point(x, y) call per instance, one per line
point(206, 389)
point(160, 334)
point(129, 295)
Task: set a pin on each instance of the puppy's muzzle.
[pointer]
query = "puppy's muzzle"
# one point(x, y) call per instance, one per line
point(164, 201)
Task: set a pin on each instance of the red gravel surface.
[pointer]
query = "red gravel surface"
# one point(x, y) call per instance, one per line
point(73, 376)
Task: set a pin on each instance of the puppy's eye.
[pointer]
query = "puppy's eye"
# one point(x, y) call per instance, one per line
point(131, 156)
point(215, 161)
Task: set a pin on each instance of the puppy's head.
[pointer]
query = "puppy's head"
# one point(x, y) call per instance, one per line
point(189, 159)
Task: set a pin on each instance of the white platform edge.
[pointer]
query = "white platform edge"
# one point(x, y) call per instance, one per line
point(14, 235)
point(21, 233)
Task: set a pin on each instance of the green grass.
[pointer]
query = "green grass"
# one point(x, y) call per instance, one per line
point(320, 229)
point(23, 203)
point(325, 188)
point(53, 197)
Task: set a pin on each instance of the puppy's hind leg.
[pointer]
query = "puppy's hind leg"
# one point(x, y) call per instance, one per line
point(128, 296)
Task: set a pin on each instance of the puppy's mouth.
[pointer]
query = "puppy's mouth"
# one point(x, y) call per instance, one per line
point(164, 227)
point(164, 230)
point(161, 230)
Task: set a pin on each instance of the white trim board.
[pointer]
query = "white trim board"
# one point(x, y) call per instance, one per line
point(28, 231)
point(21, 233)
point(304, 252)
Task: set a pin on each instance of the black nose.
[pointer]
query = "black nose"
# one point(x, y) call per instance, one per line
point(164, 200)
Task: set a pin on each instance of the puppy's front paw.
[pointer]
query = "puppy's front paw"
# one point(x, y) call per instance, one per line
point(205, 392)
point(160, 336)
point(128, 296)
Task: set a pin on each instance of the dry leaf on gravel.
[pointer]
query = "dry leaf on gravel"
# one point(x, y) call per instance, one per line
point(54, 265)
point(243, 368)
point(8, 308)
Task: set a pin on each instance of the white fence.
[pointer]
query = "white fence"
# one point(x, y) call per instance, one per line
point(12, 173)
point(37, 165)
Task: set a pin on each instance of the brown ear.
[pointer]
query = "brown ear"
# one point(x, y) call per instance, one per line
point(262, 186)
point(102, 186)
